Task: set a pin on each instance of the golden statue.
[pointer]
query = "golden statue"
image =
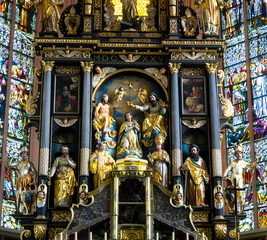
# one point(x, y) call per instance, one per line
point(25, 183)
point(160, 160)
point(210, 14)
point(154, 113)
point(50, 14)
point(198, 172)
point(237, 167)
point(119, 93)
point(65, 181)
point(129, 11)
point(101, 163)
point(129, 138)
point(103, 115)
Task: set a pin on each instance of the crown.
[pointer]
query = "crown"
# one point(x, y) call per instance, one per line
point(24, 149)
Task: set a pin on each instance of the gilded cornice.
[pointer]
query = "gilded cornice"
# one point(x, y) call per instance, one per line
point(87, 66)
point(194, 42)
point(48, 65)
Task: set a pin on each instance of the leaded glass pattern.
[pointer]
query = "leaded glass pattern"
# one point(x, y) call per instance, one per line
point(20, 90)
point(235, 83)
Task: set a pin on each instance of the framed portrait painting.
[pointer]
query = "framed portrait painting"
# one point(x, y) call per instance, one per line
point(194, 96)
point(67, 94)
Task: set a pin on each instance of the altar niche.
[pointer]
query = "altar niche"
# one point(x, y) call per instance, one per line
point(130, 126)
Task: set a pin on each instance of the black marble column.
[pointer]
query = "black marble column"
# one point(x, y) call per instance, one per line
point(85, 123)
point(175, 123)
point(45, 131)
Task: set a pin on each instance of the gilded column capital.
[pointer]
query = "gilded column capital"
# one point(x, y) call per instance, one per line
point(174, 67)
point(211, 67)
point(87, 66)
point(48, 65)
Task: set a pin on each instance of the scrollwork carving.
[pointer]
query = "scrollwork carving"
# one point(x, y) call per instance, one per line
point(25, 233)
point(200, 217)
point(61, 217)
point(48, 65)
point(31, 105)
point(192, 71)
point(67, 70)
point(227, 108)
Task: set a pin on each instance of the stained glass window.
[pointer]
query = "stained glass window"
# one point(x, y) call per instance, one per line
point(21, 80)
point(235, 82)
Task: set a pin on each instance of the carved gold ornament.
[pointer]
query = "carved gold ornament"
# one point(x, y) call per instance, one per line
point(220, 231)
point(67, 69)
point(40, 231)
point(31, 105)
point(132, 234)
point(227, 108)
point(61, 216)
point(211, 67)
point(26, 233)
point(192, 71)
point(87, 66)
point(174, 67)
point(48, 65)
point(200, 217)
point(232, 233)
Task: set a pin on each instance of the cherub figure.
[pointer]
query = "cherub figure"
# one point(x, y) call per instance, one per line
point(141, 94)
point(119, 93)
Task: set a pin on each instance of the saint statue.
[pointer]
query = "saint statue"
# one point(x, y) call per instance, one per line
point(237, 168)
point(65, 181)
point(25, 183)
point(129, 138)
point(50, 14)
point(211, 14)
point(101, 163)
point(155, 122)
point(160, 160)
point(198, 176)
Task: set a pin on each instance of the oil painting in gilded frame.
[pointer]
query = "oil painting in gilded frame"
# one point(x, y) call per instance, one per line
point(66, 94)
point(194, 96)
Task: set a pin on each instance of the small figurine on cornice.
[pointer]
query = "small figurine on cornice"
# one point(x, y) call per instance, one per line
point(50, 14)
point(210, 15)
point(189, 23)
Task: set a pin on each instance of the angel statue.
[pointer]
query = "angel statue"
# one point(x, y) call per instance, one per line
point(141, 94)
point(160, 74)
point(211, 14)
point(119, 93)
point(129, 57)
point(101, 73)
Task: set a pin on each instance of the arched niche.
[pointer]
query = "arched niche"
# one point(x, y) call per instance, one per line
point(124, 78)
